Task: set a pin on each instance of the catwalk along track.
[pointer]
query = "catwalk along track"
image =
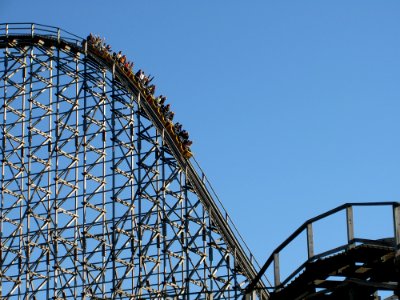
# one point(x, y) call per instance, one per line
point(358, 269)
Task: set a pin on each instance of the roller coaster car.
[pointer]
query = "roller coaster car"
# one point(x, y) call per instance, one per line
point(109, 59)
point(187, 154)
point(103, 54)
point(170, 128)
point(149, 98)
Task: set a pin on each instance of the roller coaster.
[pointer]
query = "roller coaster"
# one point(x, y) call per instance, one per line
point(357, 268)
point(101, 198)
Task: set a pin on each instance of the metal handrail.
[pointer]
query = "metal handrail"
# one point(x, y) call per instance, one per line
point(306, 227)
point(36, 29)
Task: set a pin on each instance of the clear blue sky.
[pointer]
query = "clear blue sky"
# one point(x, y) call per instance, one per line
point(293, 106)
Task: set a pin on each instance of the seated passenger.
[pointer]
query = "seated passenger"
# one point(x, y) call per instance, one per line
point(119, 55)
point(184, 135)
point(139, 75)
point(123, 59)
point(90, 38)
point(158, 100)
point(178, 128)
point(165, 109)
point(97, 41)
point(169, 116)
point(152, 89)
point(187, 143)
point(163, 99)
point(142, 76)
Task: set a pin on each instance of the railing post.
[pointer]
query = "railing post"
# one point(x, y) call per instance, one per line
point(396, 223)
point(310, 241)
point(58, 35)
point(6, 30)
point(32, 30)
point(350, 226)
point(277, 272)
